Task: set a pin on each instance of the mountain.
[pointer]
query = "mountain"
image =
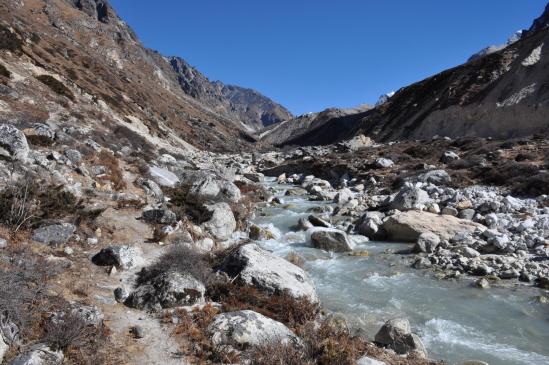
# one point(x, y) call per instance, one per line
point(503, 94)
point(254, 110)
point(491, 49)
point(75, 63)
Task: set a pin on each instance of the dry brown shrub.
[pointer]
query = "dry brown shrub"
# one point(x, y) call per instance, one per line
point(114, 175)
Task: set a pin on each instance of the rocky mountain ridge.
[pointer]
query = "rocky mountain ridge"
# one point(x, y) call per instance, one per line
point(501, 95)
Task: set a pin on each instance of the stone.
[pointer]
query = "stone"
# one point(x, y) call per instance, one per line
point(397, 335)
point(55, 234)
point(254, 266)
point(436, 177)
point(482, 283)
point(358, 142)
point(13, 143)
point(74, 156)
point(260, 233)
point(137, 332)
point(209, 189)
point(256, 177)
point(469, 252)
point(151, 188)
point(409, 198)
point(427, 242)
point(248, 328)
point(365, 360)
point(330, 239)
point(167, 290)
point(384, 162)
point(122, 257)
point(543, 282)
point(159, 216)
point(281, 179)
point(318, 222)
point(220, 220)
point(120, 294)
point(450, 211)
point(467, 214)
point(40, 354)
point(3, 244)
point(491, 220)
point(449, 156)
point(295, 192)
point(3, 348)
point(408, 226)
point(343, 196)
point(163, 177)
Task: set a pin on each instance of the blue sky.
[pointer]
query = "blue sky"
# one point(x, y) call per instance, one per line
point(312, 54)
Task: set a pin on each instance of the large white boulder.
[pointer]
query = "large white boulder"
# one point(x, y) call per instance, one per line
point(13, 143)
point(210, 189)
point(221, 222)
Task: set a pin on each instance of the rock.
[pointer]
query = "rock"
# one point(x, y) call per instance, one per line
point(450, 211)
point(410, 198)
point(256, 177)
point(396, 334)
point(295, 192)
point(468, 214)
point(255, 266)
point(482, 283)
point(124, 226)
point(3, 244)
point(436, 177)
point(427, 242)
point(343, 196)
point(167, 290)
point(408, 226)
point(318, 222)
point(358, 142)
point(422, 263)
point(220, 220)
point(209, 189)
point(163, 177)
point(55, 234)
point(3, 348)
point(40, 354)
point(204, 245)
point(167, 159)
point(151, 188)
point(137, 332)
point(122, 257)
point(449, 156)
point(469, 252)
point(120, 294)
point(365, 360)
point(74, 156)
point(330, 239)
point(491, 220)
point(384, 162)
point(13, 143)
point(543, 282)
point(281, 179)
point(159, 216)
point(304, 224)
point(248, 328)
point(260, 233)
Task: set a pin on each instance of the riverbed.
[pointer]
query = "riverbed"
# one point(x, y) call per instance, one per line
point(501, 325)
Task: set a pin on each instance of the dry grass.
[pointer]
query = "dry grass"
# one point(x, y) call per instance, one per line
point(112, 164)
point(56, 86)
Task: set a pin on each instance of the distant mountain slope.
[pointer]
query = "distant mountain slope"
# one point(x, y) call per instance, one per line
point(503, 94)
point(254, 110)
point(75, 62)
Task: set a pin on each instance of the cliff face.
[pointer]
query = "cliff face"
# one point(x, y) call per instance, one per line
point(77, 61)
point(503, 94)
point(254, 110)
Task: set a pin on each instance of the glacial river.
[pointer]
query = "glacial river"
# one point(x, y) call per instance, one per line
point(457, 322)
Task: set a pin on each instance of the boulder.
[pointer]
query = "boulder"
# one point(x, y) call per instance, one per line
point(468, 214)
point(410, 198)
point(269, 272)
point(74, 156)
point(55, 234)
point(384, 162)
point(365, 360)
point(427, 242)
point(260, 233)
point(397, 335)
point(408, 226)
point(209, 189)
point(220, 220)
point(450, 211)
point(330, 239)
point(318, 222)
point(248, 328)
point(122, 257)
point(295, 192)
point(3, 348)
point(358, 142)
point(449, 156)
point(159, 216)
point(343, 196)
point(13, 143)
point(163, 177)
point(436, 177)
point(167, 290)
point(40, 354)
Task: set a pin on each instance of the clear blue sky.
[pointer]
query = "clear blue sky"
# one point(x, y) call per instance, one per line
point(312, 54)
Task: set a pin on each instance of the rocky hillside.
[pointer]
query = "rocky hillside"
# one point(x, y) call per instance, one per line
point(77, 64)
point(503, 94)
point(254, 110)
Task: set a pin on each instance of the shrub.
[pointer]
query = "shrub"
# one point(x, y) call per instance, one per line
point(114, 175)
point(179, 259)
point(8, 40)
point(56, 86)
